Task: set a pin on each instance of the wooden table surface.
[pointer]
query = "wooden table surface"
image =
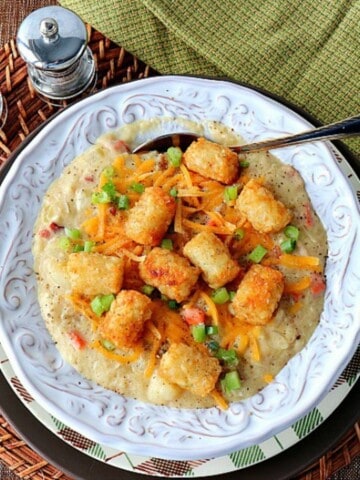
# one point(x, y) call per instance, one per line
point(13, 12)
point(11, 15)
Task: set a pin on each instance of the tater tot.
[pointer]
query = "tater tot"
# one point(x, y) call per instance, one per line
point(150, 217)
point(258, 295)
point(170, 273)
point(212, 256)
point(94, 274)
point(259, 206)
point(124, 323)
point(212, 161)
point(190, 368)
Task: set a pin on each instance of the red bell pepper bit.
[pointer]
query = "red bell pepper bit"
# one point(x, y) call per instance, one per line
point(89, 178)
point(55, 227)
point(112, 210)
point(211, 223)
point(121, 147)
point(45, 233)
point(77, 340)
point(318, 284)
point(309, 221)
point(193, 315)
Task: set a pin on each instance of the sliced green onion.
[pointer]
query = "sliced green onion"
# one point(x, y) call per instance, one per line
point(107, 194)
point(102, 303)
point(227, 356)
point(292, 232)
point(123, 202)
point(72, 233)
point(107, 300)
point(231, 193)
point(109, 172)
point(88, 245)
point(173, 192)
point(100, 197)
point(288, 245)
point(239, 234)
point(174, 156)
point(96, 306)
point(220, 295)
point(64, 243)
point(244, 163)
point(232, 295)
point(78, 248)
point(147, 289)
point(198, 332)
point(173, 304)
point(212, 330)
point(110, 189)
point(231, 382)
point(257, 254)
point(167, 244)
point(108, 345)
point(137, 187)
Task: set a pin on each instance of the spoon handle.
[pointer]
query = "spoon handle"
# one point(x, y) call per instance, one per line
point(345, 128)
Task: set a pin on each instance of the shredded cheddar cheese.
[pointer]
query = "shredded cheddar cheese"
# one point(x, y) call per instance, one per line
point(296, 261)
point(212, 310)
point(133, 256)
point(157, 339)
point(199, 227)
point(102, 221)
point(82, 306)
point(219, 399)
point(187, 177)
point(298, 286)
point(268, 378)
point(178, 226)
point(254, 344)
point(200, 207)
point(165, 175)
point(295, 308)
point(112, 246)
point(132, 357)
point(242, 343)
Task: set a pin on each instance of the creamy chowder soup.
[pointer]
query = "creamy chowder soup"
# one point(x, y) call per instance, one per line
point(185, 279)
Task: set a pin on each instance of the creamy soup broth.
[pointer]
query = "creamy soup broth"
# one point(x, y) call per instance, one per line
point(68, 203)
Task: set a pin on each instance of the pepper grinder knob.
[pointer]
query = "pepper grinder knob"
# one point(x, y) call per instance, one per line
point(53, 43)
point(49, 29)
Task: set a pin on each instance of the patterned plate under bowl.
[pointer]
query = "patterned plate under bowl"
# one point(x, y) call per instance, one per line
point(252, 456)
point(136, 427)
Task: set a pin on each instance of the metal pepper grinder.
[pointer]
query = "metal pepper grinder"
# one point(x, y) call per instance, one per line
point(53, 42)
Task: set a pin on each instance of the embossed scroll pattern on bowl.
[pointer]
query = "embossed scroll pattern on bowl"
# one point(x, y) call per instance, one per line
point(136, 427)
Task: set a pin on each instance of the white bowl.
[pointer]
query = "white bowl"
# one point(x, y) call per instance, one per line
point(137, 427)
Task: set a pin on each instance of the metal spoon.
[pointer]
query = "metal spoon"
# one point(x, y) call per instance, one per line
point(344, 128)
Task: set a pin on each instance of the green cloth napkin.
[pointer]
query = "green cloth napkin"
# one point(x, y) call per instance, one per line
point(307, 51)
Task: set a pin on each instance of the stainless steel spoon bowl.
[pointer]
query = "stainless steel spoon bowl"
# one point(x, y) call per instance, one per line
point(344, 128)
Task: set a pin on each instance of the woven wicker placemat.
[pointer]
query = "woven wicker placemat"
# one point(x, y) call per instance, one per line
point(23, 462)
point(26, 111)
